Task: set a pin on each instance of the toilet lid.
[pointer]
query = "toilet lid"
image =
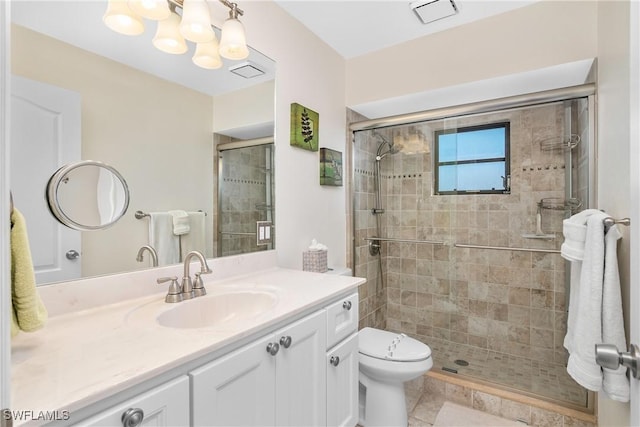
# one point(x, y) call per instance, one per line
point(391, 346)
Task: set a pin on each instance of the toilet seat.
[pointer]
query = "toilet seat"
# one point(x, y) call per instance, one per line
point(390, 346)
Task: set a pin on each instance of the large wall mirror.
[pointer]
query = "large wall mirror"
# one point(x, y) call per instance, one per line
point(83, 92)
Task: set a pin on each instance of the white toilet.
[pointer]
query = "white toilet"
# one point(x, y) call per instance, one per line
point(387, 361)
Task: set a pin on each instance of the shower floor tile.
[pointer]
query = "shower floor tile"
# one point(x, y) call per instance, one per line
point(550, 381)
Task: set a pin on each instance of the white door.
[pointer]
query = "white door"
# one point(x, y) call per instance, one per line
point(342, 383)
point(45, 135)
point(301, 373)
point(163, 406)
point(237, 389)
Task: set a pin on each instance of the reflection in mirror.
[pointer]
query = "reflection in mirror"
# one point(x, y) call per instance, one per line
point(150, 115)
point(87, 195)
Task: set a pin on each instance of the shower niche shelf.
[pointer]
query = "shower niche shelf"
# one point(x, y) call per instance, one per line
point(559, 144)
point(559, 204)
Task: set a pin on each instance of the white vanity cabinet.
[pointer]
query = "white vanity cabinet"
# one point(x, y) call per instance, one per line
point(278, 380)
point(166, 405)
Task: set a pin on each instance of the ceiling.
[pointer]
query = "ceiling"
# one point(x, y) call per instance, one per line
point(357, 27)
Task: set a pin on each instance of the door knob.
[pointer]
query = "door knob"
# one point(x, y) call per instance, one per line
point(608, 356)
point(132, 417)
point(335, 360)
point(285, 341)
point(273, 348)
point(72, 254)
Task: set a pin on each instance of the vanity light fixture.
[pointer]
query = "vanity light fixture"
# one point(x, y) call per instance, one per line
point(193, 24)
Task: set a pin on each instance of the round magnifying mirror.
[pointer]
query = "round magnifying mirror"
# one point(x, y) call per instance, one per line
point(87, 195)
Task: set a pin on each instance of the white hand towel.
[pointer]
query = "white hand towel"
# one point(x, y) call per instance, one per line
point(616, 383)
point(180, 222)
point(582, 364)
point(196, 239)
point(161, 237)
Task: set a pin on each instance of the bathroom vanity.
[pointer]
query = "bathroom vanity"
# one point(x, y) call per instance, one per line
point(265, 346)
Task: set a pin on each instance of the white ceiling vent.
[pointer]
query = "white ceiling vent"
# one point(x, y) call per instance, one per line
point(247, 70)
point(432, 10)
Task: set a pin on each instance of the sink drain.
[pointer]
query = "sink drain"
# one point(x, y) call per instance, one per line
point(461, 362)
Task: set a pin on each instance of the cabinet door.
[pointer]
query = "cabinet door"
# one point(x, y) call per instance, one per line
point(166, 405)
point(237, 389)
point(342, 383)
point(301, 373)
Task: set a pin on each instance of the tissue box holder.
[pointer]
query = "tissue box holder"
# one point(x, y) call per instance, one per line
point(315, 261)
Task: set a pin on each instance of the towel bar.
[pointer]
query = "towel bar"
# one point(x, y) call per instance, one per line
point(609, 221)
point(140, 214)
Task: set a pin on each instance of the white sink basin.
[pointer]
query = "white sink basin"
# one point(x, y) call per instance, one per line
point(214, 309)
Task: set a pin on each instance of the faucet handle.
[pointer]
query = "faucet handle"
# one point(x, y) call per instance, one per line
point(174, 294)
point(198, 285)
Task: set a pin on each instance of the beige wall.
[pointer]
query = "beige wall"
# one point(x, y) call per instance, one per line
point(541, 35)
point(613, 152)
point(312, 74)
point(157, 134)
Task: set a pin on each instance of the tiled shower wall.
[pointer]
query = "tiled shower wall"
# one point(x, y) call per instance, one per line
point(243, 198)
point(506, 301)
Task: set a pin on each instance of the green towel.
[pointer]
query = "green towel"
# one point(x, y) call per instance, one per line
point(29, 313)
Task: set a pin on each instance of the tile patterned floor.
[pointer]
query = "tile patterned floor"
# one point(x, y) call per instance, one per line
point(550, 381)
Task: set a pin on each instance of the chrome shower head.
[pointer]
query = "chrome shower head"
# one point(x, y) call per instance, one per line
point(391, 148)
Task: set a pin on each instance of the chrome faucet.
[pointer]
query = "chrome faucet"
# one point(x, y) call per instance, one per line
point(154, 254)
point(189, 290)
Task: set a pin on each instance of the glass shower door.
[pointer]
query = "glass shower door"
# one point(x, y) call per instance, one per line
point(245, 198)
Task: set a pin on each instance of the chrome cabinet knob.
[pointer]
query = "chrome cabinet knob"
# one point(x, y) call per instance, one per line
point(132, 417)
point(72, 254)
point(608, 356)
point(335, 360)
point(285, 341)
point(273, 348)
point(346, 305)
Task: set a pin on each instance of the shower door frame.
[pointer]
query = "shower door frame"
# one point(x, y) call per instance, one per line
point(587, 90)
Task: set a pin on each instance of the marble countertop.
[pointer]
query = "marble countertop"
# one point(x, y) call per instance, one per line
point(87, 354)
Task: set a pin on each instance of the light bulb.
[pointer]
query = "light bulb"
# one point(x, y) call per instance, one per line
point(196, 21)
point(168, 38)
point(233, 42)
point(156, 10)
point(206, 55)
point(121, 19)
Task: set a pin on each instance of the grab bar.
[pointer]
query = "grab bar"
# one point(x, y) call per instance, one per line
point(505, 248)
point(388, 239)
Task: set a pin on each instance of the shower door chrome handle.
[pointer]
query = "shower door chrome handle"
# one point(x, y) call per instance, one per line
point(608, 356)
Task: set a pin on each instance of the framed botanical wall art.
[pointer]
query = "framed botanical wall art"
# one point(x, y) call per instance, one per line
point(304, 127)
point(330, 167)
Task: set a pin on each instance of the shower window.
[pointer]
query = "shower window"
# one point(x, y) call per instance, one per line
point(472, 159)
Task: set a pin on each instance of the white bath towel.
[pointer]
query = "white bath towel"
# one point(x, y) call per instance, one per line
point(196, 239)
point(161, 237)
point(616, 383)
point(180, 222)
point(587, 314)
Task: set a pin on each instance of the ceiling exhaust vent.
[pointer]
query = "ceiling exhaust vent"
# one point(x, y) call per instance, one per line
point(433, 10)
point(247, 69)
